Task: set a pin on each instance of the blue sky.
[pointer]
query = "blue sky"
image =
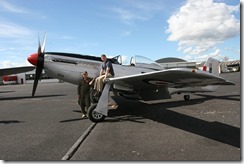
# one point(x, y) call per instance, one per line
point(189, 29)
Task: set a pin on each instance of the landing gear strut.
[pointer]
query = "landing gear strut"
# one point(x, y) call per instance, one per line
point(93, 115)
point(99, 110)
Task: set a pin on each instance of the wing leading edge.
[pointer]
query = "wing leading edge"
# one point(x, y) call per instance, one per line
point(15, 70)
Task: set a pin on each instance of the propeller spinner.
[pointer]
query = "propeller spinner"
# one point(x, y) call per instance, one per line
point(37, 59)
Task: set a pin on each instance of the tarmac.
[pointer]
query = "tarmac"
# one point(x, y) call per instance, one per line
point(48, 127)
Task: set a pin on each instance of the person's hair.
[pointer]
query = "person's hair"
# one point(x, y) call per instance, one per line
point(85, 72)
point(103, 55)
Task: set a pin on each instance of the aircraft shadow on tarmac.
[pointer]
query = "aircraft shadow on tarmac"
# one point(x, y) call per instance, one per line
point(11, 122)
point(71, 120)
point(225, 97)
point(28, 97)
point(75, 119)
point(161, 113)
point(6, 91)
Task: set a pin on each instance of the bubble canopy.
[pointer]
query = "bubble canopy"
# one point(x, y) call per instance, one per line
point(138, 61)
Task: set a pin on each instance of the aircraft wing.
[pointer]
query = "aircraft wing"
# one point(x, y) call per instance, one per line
point(15, 70)
point(173, 78)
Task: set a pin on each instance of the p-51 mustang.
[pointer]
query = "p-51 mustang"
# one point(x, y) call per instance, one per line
point(142, 79)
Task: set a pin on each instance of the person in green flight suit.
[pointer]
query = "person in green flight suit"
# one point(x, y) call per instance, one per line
point(83, 91)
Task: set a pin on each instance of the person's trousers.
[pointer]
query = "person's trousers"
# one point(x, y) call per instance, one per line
point(84, 103)
point(99, 82)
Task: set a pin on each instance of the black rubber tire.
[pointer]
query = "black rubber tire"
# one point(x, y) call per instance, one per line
point(94, 116)
point(94, 99)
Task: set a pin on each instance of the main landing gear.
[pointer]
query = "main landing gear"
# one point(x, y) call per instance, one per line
point(93, 115)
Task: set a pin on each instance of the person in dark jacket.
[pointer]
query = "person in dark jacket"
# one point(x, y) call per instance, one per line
point(83, 91)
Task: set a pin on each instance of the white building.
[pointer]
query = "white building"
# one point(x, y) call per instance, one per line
point(28, 78)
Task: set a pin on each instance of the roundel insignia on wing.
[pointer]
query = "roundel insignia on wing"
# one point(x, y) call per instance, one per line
point(156, 82)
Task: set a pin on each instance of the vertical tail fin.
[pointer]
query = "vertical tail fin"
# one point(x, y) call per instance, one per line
point(212, 66)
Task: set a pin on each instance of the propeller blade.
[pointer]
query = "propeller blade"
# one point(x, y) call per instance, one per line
point(39, 45)
point(40, 63)
point(43, 43)
point(37, 77)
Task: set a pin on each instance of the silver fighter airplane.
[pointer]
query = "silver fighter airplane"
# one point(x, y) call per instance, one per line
point(142, 79)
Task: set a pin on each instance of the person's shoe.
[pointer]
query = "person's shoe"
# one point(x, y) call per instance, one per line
point(112, 106)
point(83, 116)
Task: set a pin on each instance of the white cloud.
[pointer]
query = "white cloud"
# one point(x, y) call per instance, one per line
point(200, 25)
point(216, 54)
point(12, 8)
point(16, 42)
point(6, 64)
point(126, 33)
point(12, 30)
point(147, 6)
point(131, 11)
point(232, 50)
point(127, 16)
point(188, 57)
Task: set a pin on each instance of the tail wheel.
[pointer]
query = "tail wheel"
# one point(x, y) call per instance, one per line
point(93, 115)
point(187, 97)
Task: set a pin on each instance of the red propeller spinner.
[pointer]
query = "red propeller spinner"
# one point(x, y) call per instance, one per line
point(33, 59)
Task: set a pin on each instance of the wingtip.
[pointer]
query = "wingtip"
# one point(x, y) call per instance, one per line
point(230, 83)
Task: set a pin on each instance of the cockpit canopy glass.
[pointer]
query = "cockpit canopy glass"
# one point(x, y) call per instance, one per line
point(138, 61)
point(141, 61)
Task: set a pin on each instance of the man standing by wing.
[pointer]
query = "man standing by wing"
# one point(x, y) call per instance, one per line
point(106, 71)
point(83, 91)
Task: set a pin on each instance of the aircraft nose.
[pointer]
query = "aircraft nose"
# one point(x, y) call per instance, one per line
point(33, 59)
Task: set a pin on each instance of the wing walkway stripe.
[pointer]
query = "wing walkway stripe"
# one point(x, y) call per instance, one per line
point(75, 147)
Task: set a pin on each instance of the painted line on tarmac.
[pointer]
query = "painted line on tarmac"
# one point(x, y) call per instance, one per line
point(75, 147)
